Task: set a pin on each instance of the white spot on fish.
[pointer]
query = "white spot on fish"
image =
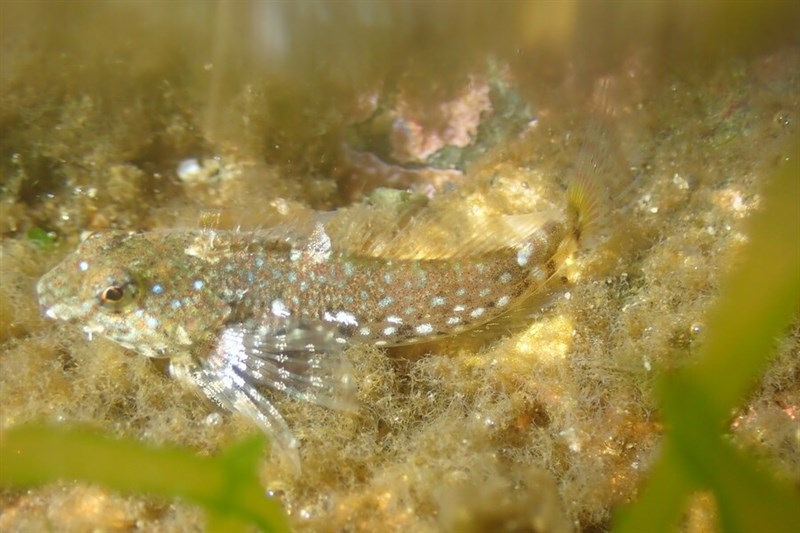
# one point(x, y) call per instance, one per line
point(424, 329)
point(477, 312)
point(458, 309)
point(505, 277)
point(453, 320)
point(341, 317)
point(279, 309)
point(365, 332)
point(83, 266)
point(524, 254)
point(386, 301)
point(437, 301)
point(394, 319)
point(503, 301)
point(157, 288)
point(389, 331)
point(198, 284)
point(484, 293)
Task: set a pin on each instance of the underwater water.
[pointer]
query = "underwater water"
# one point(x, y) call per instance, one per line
point(245, 116)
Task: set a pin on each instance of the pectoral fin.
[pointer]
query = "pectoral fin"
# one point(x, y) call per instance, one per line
point(301, 359)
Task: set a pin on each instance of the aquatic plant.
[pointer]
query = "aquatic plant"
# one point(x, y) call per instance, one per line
point(226, 486)
point(760, 298)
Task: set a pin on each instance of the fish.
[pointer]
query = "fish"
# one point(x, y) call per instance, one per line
point(241, 315)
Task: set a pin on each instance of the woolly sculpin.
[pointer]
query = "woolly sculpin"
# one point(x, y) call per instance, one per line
point(240, 314)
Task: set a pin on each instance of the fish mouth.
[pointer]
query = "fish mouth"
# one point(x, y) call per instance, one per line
point(68, 311)
point(57, 306)
point(61, 311)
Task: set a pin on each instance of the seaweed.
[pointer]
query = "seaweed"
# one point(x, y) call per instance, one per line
point(226, 486)
point(41, 238)
point(757, 303)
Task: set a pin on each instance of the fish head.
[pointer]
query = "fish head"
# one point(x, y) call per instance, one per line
point(135, 289)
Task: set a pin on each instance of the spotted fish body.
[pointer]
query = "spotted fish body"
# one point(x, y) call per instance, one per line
point(240, 312)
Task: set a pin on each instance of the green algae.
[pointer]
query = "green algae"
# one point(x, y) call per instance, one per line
point(226, 486)
point(40, 238)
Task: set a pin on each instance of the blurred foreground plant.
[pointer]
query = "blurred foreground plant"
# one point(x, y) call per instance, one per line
point(226, 486)
point(758, 301)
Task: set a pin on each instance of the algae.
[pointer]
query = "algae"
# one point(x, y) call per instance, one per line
point(550, 413)
point(226, 486)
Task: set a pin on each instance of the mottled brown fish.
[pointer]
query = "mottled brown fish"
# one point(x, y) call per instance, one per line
point(240, 312)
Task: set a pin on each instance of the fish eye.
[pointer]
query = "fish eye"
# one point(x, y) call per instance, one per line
point(113, 294)
point(116, 295)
